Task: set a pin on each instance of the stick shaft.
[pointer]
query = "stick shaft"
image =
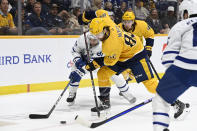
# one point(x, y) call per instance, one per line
point(91, 75)
point(94, 125)
point(153, 68)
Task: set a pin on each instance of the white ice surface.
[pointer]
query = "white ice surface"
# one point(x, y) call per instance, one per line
point(14, 111)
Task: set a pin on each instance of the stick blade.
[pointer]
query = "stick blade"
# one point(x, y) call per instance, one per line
point(94, 125)
point(38, 116)
point(82, 121)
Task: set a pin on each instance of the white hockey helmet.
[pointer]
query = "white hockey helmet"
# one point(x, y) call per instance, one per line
point(188, 5)
point(90, 36)
point(92, 39)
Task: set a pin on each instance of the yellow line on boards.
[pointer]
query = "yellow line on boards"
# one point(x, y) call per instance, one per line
point(50, 36)
point(14, 89)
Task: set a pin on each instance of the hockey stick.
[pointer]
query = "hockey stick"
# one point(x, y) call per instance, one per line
point(153, 68)
point(91, 75)
point(96, 124)
point(45, 116)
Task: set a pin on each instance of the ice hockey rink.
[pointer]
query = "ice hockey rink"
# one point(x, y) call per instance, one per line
point(14, 111)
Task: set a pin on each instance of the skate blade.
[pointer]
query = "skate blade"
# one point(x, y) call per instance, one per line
point(103, 114)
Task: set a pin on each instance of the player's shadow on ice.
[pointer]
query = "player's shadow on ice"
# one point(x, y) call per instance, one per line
point(87, 104)
point(82, 104)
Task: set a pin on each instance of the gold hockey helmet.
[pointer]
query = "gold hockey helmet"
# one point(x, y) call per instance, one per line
point(97, 24)
point(128, 15)
point(101, 13)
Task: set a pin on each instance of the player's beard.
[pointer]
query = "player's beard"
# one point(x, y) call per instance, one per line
point(104, 37)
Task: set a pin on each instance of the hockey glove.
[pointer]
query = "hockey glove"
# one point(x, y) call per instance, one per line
point(148, 51)
point(75, 76)
point(92, 66)
point(86, 17)
point(96, 63)
point(79, 63)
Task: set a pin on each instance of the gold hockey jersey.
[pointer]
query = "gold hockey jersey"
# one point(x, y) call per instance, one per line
point(141, 29)
point(120, 46)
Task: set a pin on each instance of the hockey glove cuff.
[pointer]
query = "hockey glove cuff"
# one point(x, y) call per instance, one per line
point(148, 51)
point(92, 66)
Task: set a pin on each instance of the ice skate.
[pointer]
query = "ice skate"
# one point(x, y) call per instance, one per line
point(129, 97)
point(181, 110)
point(72, 95)
point(71, 98)
point(127, 81)
point(103, 108)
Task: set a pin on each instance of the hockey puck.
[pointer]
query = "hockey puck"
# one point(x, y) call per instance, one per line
point(63, 122)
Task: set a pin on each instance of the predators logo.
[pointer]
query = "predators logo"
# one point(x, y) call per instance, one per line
point(112, 56)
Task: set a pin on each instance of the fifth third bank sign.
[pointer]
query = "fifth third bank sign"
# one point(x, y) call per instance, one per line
point(25, 59)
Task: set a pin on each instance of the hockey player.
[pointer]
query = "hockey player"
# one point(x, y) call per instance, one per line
point(143, 30)
point(79, 53)
point(181, 65)
point(86, 18)
point(122, 50)
point(122, 85)
point(79, 58)
point(139, 28)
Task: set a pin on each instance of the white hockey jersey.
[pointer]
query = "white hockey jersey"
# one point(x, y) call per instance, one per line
point(79, 48)
point(182, 45)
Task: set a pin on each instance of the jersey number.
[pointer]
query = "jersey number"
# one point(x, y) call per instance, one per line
point(130, 40)
point(195, 34)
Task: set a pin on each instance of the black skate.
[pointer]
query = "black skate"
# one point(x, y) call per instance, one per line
point(71, 98)
point(103, 107)
point(166, 129)
point(181, 109)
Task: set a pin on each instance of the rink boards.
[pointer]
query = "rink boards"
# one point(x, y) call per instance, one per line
point(40, 63)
